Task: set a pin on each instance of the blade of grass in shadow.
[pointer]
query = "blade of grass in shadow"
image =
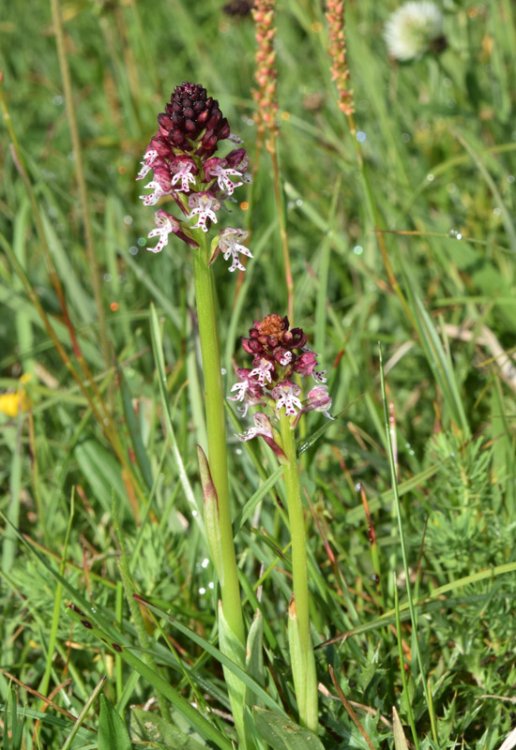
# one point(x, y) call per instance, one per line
point(56, 612)
point(83, 713)
point(404, 555)
point(80, 177)
point(401, 658)
point(323, 275)
point(165, 401)
point(438, 359)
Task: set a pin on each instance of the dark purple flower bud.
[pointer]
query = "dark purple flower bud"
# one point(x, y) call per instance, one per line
point(240, 8)
point(193, 121)
point(237, 159)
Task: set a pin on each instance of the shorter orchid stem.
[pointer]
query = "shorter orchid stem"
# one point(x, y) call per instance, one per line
point(300, 641)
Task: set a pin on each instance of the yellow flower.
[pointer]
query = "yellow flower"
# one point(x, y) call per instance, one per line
point(13, 403)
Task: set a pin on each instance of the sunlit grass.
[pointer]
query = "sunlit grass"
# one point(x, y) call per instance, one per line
point(404, 247)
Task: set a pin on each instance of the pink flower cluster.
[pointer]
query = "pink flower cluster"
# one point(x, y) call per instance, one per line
point(182, 158)
point(279, 355)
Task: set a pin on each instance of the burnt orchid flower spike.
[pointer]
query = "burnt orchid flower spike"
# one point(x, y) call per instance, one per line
point(186, 171)
point(279, 357)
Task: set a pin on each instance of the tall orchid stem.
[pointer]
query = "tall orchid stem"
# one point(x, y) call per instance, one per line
point(300, 641)
point(216, 432)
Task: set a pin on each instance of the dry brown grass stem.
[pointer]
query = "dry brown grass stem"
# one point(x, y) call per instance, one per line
point(265, 94)
point(335, 15)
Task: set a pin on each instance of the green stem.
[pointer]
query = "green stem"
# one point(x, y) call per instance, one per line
point(301, 649)
point(216, 432)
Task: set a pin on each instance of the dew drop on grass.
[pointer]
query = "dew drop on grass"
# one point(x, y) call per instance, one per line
point(211, 585)
point(128, 220)
point(141, 241)
point(205, 562)
point(58, 100)
point(358, 249)
point(202, 591)
point(361, 136)
point(134, 250)
point(430, 177)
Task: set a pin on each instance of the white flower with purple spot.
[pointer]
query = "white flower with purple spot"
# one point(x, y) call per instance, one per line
point(240, 390)
point(204, 207)
point(286, 396)
point(157, 193)
point(262, 373)
point(262, 427)
point(231, 247)
point(182, 170)
point(147, 162)
point(165, 225)
point(319, 376)
point(223, 174)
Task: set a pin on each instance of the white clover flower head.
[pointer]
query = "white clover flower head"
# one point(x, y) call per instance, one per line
point(231, 247)
point(412, 29)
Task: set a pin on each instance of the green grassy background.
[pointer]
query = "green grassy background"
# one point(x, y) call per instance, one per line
point(89, 474)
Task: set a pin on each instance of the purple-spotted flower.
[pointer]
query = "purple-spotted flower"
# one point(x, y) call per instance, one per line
point(281, 361)
point(187, 171)
point(230, 246)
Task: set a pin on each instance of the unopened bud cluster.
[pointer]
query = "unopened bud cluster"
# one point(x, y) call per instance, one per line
point(280, 359)
point(182, 157)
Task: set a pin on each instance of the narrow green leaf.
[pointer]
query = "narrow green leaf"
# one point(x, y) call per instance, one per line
point(102, 471)
point(400, 741)
point(162, 379)
point(282, 733)
point(113, 734)
point(254, 648)
point(133, 425)
point(168, 735)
